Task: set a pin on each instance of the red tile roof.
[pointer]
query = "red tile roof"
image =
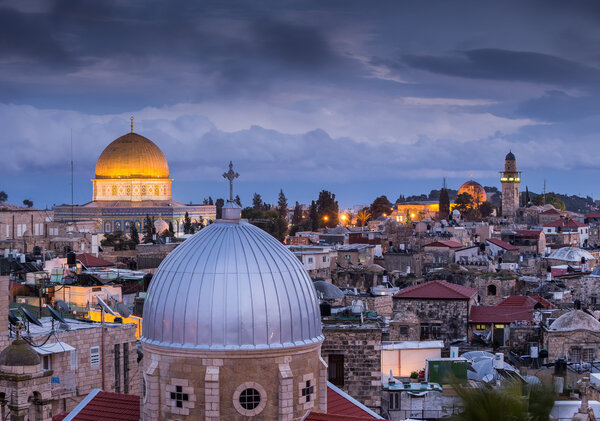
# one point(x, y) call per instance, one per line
point(550, 212)
point(565, 223)
point(445, 243)
point(107, 406)
point(545, 303)
point(317, 416)
point(592, 215)
point(338, 404)
point(519, 301)
point(91, 261)
point(440, 290)
point(503, 244)
point(529, 233)
point(500, 314)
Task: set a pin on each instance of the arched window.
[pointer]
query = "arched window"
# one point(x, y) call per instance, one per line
point(491, 290)
point(107, 227)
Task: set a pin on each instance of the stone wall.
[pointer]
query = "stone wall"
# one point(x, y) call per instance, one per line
point(560, 344)
point(361, 347)
point(213, 381)
point(450, 315)
point(382, 304)
point(522, 337)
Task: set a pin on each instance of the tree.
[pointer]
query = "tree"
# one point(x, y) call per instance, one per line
point(118, 240)
point(148, 229)
point(510, 402)
point(313, 216)
point(171, 232)
point(282, 205)
point(210, 201)
point(267, 220)
point(219, 204)
point(551, 199)
point(238, 200)
point(363, 216)
point(527, 198)
point(380, 206)
point(327, 209)
point(133, 233)
point(28, 203)
point(257, 202)
point(485, 209)
point(187, 224)
point(3, 196)
point(297, 217)
point(463, 202)
point(444, 202)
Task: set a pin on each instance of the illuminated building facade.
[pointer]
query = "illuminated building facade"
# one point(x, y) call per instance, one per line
point(510, 179)
point(415, 211)
point(132, 180)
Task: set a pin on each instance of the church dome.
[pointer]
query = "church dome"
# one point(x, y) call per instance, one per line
point(231, 286)
point(19, 353)
point(132, 156)
point(475, 189)
point(575, 320)
point(510, 156)
point(571, 254)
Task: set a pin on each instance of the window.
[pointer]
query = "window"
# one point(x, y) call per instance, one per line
point(307, 391)
point(593, 300)
point(310, 260)
point(491, 290)
point(479, 327)
point(498, 326)
point(394, 400)
point(588, 355)
point(178, 397)
point(431, 332)
point(403, 330)
point(324, 259)
point(47, 362)
point(249, 399)
point(126, 368)
point(73, 359)
point(95, 356)
point(347, 256)
point(336, 369)
point(117, 368)
point(575, 354)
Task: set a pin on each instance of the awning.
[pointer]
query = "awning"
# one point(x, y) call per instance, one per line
point(55, 348)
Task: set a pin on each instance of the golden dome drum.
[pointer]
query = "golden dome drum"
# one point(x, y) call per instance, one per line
point(132, 156)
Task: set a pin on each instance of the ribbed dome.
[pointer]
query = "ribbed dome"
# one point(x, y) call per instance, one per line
point(571, 254)
point(231, 286)
point(510, 156)
point(475, 189)
point(132, 156)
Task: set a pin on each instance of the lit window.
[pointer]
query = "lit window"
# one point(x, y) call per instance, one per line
point(480, 327)
point(499, 326)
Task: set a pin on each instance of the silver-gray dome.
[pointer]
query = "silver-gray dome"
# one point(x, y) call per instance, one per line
point(231, 286)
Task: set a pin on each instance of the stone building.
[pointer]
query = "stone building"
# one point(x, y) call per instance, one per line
point(511, 178)
point(353, 354)
point(442, 308)
point(574, 336)
point(232, 330)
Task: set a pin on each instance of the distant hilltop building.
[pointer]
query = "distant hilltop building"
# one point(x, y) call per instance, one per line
point(510, 179)
point(132, 180)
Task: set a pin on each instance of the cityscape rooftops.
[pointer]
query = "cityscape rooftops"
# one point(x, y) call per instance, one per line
point(440, 290)
point(502, 244)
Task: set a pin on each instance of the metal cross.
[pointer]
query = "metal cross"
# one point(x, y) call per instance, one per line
point(230, 175)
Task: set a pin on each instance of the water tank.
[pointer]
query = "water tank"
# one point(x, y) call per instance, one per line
point(357, 306)
point(325, 309)
point(498, 360)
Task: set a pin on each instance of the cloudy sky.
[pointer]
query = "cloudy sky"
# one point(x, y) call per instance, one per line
point(360, 98)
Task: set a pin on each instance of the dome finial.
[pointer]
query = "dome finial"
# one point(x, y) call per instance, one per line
point(131, 118)
point(230, 175)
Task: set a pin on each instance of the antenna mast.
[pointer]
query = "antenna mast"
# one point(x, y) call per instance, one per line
point(72, 188)
point(544, 192)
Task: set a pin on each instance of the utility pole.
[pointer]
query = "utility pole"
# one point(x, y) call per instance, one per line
point(544, 192)
point(72, 201)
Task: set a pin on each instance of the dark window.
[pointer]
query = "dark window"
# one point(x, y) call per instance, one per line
point(491, 290)
point(431, 332)
point(593, 300)
point(425, 332)
point(575, 354)
point(179, 397)
point(308, 391)
point(336, 369)
point(117, 368)
point(126, 368)
point(249, 399)
point(403, 330)
point(394, 400)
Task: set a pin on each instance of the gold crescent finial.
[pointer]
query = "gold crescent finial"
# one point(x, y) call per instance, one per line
point(471, 174)
point(131, 124)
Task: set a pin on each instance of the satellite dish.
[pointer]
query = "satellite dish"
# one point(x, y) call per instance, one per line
point(61, 306)
point(55, 315)
point(13, 319)
point(105, 306)
point(30, 317)
point(123, 310)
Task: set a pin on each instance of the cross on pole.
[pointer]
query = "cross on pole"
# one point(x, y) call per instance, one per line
point(230, 175)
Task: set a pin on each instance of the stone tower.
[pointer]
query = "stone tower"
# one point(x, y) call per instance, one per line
point(511, 178)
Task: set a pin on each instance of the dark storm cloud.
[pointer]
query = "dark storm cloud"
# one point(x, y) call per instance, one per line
point(497, 64)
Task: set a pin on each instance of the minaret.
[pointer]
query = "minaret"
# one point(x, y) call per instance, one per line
point(511, 178)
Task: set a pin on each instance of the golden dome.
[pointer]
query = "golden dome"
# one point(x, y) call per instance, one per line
point(132, 156)
point(475, 189)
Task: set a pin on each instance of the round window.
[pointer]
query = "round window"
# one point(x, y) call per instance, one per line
point(249, 399)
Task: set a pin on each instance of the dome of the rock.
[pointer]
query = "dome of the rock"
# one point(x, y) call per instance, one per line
point(475, 189)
